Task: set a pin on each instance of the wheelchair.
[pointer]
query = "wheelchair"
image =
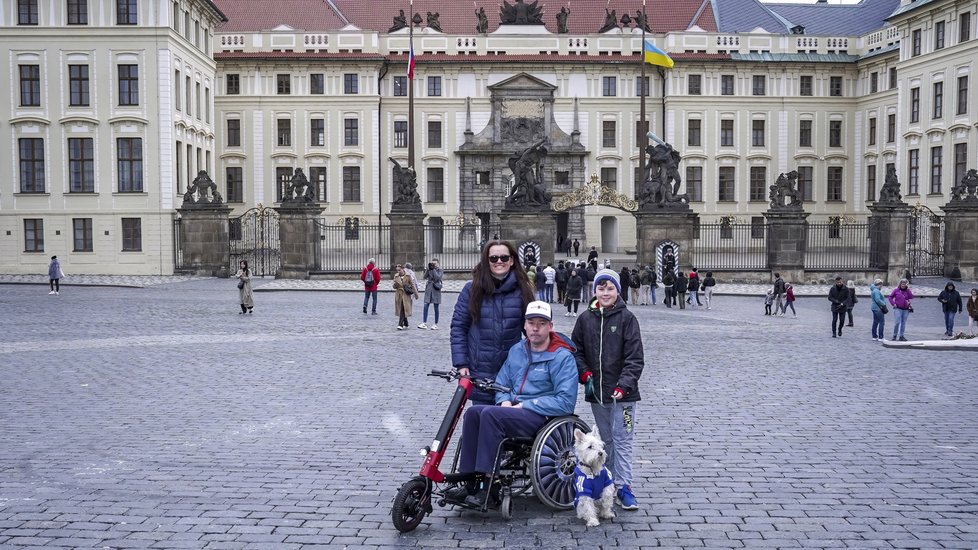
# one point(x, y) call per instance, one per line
point(543, 464)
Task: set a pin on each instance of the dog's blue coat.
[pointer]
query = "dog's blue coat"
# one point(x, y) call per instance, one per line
point(588, 486)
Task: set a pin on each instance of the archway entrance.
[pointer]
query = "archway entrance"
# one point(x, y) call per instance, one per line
point(594, 193)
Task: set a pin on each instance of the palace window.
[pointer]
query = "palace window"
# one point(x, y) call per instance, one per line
point(284, 132)
point(726, 133)
point(871, 182)
point(913, 180)
point(609, 177)
point(434, 86)
point(835, 86)
point(129, 85)
point(132, 234)
point(936, 168)
point(27, 12)
point(694, 132)
point(351, 132)
point(725, 184)
point(400, 85)
point(872, 131)
point(890, 128)
point(78, 85)
point(694, 84)
point(436, 185)
point(804, 133)
point(642, 86)
point(317, 84)
point(609, 131)
point(81, 165)
point(938, 100)
point(759, 85)
point(34, 235)
point(939, 35)
point(915, 43)
point(805, 86)
point(283, 84)
point(234, 178)
point(130, 164)
point(834, 183)
point(77, 12)
point(962, 96)
point(806, 182)
point(31, 165)
point(694, 183)
point(317, 132)
point(351, 83)
point(835, 133)
point(351, 184)
point(400, 134)
point(874, 82)
point(30, 85)
point(609, 86)
point(126, 12)
point(434, 134)
point(726, 84)
point(758, 183)
point(960, 162)
point(234, 132)
point(757, 133)
point(82, 229)
point(964, 27)
point(233, 83)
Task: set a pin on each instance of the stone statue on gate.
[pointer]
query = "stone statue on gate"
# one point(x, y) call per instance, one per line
point(528, 189)
point(967, 189)
point(784, 193)
point(610, 21)
point(400, 22)
point(661, 181)
point(520, 13)
point(202, 192)
point(890, 192)
point(405, 187)
point(299, 189)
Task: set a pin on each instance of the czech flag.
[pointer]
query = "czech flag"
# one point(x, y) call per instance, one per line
point(410, 72)
point(655, 56)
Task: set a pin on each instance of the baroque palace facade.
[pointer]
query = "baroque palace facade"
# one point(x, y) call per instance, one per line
point(115, 105)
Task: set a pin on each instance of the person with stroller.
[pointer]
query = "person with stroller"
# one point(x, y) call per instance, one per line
point(541, 373)
point(488, 315)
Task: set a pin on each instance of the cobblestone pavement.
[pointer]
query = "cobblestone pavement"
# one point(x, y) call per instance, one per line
point(158, 417)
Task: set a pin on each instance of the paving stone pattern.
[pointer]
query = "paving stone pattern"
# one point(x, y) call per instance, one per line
point(158, 417)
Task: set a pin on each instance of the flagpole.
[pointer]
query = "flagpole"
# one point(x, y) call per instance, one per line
point(411, 90)
point(642, 142)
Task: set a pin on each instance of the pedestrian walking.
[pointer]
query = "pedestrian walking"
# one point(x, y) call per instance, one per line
point(778, 293)
point(245, 296)
point(405, 293)
point(668, 280)
point(577, 248)
point(851, 299)
point(709, 283)
point(541, 284)
point(551, 281)
point(626, 282)
point(592, 256)
point(681, 286)
point(950, 300)
point(768, 301)
point(694, 289)
point(434, 277)
point(560, 278)
point(575, 290)
point(972, 311)
point(635, 284)
point(588, 276)
point(567, 246)
point(645, 280)
point(610, 361)
point(789, 300)
point(900, 298)
point(488, 316)
point(370, 275)
point(879, 309)
point(653, 285)
point(838, 295)
point(409, 269)
point(55, 274)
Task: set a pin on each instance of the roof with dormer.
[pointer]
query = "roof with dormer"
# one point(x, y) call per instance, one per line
point(820, 19)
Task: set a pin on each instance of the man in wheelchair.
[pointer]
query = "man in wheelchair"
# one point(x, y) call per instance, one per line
point(542, 372)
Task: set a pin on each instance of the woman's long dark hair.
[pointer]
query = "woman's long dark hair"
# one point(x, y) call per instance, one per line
point(246, 270)
point(483, 284)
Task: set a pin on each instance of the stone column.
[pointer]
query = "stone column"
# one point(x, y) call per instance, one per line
point(654, 227)
point(888, 239)
point(299, 241)
point(540, 227)
point(407, 239)
point(961, 240)
point(204, 240)
point(787, 240)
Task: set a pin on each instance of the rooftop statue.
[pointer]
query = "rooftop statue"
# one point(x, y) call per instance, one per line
point(482, 26)
point(400, 21)
point(520, 13)
point(641, 21)
point(610, 21)
point(562, 20)
point(432, 21)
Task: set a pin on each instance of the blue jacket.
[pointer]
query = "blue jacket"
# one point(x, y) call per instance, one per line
point(54, 269)
point(878, 299)
point(545, 382)
point(483, 347)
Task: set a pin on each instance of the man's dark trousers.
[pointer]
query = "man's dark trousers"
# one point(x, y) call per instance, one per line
point(484, 426)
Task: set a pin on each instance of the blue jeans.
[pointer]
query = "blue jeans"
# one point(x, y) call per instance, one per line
point(694, 298)
point(542, 294)
point(899, 321)
point(787, 305)
point(485, 426)
point(366, 297)
point(424, 319)
point(949, 322)
point(616, 425)
point(550, 293)
point(879, 320)
point(652, 290)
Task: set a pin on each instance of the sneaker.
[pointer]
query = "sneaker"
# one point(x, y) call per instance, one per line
point(399, 327)
point(57, 293)
point(902, 339)
point(477, 499)
point(364, 309)
point(373, 313)
point(433, 327)
point(52, 292)
point(626, 499)
point(457, 494)
point(422, 325)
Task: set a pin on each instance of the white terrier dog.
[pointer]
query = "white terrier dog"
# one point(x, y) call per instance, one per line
point(593, 485)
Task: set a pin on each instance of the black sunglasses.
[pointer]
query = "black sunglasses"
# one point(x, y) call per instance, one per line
point(497, 259)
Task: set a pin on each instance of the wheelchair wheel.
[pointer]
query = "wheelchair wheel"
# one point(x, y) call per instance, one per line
point(552, 462)
point(506, 504)
point(412, 502)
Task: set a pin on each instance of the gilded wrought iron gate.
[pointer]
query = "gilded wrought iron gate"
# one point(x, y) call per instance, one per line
point(253, 236)
point(925, 242)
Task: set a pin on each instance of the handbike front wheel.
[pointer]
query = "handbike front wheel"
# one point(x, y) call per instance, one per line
point(412, 502)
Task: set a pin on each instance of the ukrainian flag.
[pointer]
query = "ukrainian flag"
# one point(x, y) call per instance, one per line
point(655, 56)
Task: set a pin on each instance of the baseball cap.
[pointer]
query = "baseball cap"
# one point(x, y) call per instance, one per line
point(538, 309)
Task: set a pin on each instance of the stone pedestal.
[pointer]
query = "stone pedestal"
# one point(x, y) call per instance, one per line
point(540, 227)
point(888, 239)
point(407, 239)
point(204, 240)
point(656, 227)
point(299, 242)
point(787, 240)
point(961, 240)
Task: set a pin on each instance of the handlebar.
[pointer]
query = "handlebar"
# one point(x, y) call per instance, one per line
point(484, 384)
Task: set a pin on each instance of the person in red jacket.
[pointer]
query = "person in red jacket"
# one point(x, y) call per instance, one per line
point(371, 279)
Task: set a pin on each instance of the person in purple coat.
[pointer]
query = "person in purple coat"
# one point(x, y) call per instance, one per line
point(900, 300)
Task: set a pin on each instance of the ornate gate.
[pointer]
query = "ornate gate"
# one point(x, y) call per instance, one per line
point(253, 236)
point(925, 242)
